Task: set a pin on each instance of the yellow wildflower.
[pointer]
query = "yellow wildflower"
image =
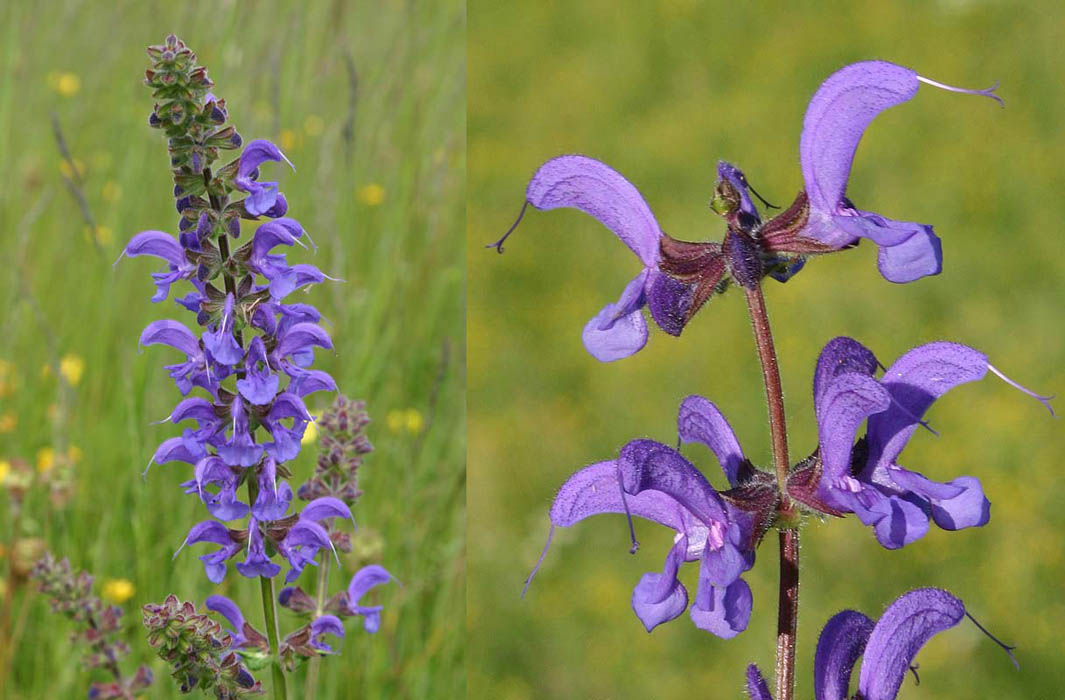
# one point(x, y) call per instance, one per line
point(414, 420)
point(117, 590)
point(371, 195)
point(5, 467)
point(74, 173)
point(313, 125)
point(410, 420)
point(104, 235)
point(45, 459)
point(112, 192)
point(8, 422)
point(310, 434)
point(72, 367)
point(66, 84)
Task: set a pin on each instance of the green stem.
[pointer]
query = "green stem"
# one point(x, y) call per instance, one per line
point(266, 586)
point(788, 600)
point(310, 688)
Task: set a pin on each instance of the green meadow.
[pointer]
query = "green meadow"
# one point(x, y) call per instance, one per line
point(661, 91)
point(368, 101)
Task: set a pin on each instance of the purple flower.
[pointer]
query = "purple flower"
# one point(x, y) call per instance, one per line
point(364, 579)
point(836, 118)
point(887, 647)
point(185, 374)
point(259, 385)
point(263, 197)
point(215, 562)
point(224, 504)
point(322, 625)
point(308, 381)
point(220, 342)
point(619, 329)
point(161, 245)
point(679, 277)
point(203, 412)
point(273, 500)
point(240, 449)
point(229, 610)
point(282, 278)
point(296, 343)
point(286, 444)
point(171, 450)
point(306, 538)
point(257, 563)
point(866, 479)
point(653, 481)
point(242, 634)
point(756, 686)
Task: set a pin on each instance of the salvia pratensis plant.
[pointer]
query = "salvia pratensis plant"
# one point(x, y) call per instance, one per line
point(249, 362)
point(722, 529)
point(98, 627)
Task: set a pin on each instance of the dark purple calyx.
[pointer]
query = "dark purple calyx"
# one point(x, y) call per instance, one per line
point(743, 259)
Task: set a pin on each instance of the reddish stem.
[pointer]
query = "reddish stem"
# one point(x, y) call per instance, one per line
point(788, 602)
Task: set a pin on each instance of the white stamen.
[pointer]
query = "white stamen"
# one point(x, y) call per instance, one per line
point(164, 420)
point(1045, 400)
point(986, 92)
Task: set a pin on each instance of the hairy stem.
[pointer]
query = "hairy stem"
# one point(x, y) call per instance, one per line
point(310, 688)
point(788, 602)
point(767, 354)
point(787, 613)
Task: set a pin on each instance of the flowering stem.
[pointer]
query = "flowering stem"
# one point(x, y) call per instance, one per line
point(310, 688)
point(266, 585)
point(787, 612)
point(788, 602)
point(763, 338)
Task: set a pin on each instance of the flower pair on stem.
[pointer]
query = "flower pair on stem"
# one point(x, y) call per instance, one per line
point(722, 529)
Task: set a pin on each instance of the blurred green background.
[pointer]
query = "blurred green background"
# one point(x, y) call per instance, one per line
point(386, 210)
point(661, 91)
